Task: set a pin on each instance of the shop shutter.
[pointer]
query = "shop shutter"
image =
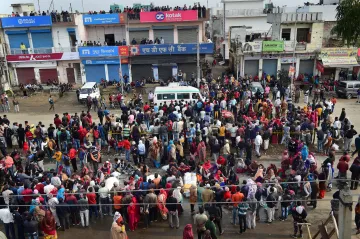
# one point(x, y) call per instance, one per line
point(165, 72)
point(187, 69)
point(187, 35)
point(286, 67)
point(25, 75)
point(42, 41)
point(166, 34)
point(48, 74)
point(270, 67)
point(15, 40)
point(138, 72)
point(113, 71)
point(252, 67)
point(306, 67)
point(94, 73)
point(138, 35)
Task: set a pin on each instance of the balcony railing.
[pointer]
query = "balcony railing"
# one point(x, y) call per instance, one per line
point(44, 50)
point(300, 17)
point(245, 12)
point(66, 19)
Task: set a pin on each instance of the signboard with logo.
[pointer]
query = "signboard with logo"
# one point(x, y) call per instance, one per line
point(171, 49)
point(30, 21)
point(338, 52)
point(273, 46)
point(289, 46)
point(339, 61)
point(105, 62)
point(288, 60)
point(169, 16)
point(123, 50)
point(99, 19)
point(250, 47)
point(100, 51)
point(66, 56)
point(320, 66)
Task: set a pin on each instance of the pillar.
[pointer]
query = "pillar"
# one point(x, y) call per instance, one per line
point(345, 215)
point(337, 73)
point(106, 73)
point(297, 66)
point(176, 35)
point(261, 62)
point(151, 34)
point(278, 65)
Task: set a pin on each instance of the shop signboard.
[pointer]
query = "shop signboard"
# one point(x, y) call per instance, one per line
point(320, 66)
point(252, 47)
point(339, 61)
point(273, 46)
point(171, 49)
point(99, 51)
point(29, 21)
point(338, 52)
point(105, 61)
point(101, 19)
point(289, 46)
point(66, 56)
point(169, 16)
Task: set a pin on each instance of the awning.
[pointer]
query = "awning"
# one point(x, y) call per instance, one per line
point(343, 62)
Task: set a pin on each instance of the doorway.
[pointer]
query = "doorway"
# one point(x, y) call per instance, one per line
point(72, 39)
point(70, 75)
point(110, 39)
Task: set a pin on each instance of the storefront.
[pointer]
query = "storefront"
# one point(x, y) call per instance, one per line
point(105, 69)
point(138, 34)
point(306, 67)
point(165, 60)
point(187, 34)
point(164, 32)
point(270, 66)
point(40, 68)
point(251, 68)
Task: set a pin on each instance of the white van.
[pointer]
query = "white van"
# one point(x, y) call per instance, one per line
point(89, 88)
point(178, 93)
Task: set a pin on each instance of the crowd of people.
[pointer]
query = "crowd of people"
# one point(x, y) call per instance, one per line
point(212, 139)
point(63, 16)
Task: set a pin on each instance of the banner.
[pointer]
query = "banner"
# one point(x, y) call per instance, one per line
point(169, 49)
point(105, 62)
point(291, 71)
point(338, 52)
point(273, 46)
point(99, 51)
point(31, 21)
point(250, 47)
point(327, 61)
point(66, 56)
point(99, 19)
point(320, 66)
point(287, 60)
point(169, 16)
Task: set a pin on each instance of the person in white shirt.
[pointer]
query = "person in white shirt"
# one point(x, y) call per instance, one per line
point(162, 41)
point(151, 96)
point(7, 218)
point(161, 113)
point(223, 104)
point(6, 194)
point(48, 187)
point(258, 143)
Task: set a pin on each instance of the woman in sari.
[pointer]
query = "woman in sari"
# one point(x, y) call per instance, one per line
point(133, 214)
point(118, 228)
point(188, 232)
point(48, 226)
point(171, 150)
point(201, 152)
point(155, 152)
point(161, 203)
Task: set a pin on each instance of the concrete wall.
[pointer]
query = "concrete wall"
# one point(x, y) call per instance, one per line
point(328, 26)
point(329, 11)
point(61, 68)
point(97, 33)
point(244, 5)
point(61, 38)
point(258, 24)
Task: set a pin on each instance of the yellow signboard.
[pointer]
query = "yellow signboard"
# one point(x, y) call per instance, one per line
point(338, 52)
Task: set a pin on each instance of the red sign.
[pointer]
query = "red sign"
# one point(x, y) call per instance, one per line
point(123, 50)
point(122, 17)
point(44, 57)
point(124, 60)
point(320, 66)
point(169, 16)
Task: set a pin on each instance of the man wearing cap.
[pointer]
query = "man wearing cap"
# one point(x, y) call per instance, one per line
point(207, 195)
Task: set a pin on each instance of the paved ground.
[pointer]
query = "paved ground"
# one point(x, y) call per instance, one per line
point(35, 109)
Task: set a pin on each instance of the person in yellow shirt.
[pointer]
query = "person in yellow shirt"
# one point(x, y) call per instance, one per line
point(222, 132)
point(58, 158)
point(23, 48)
point(319, 111)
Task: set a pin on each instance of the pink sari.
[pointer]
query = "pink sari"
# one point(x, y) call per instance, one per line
point(161, 204)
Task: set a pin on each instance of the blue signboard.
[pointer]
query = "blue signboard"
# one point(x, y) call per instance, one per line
point(102, 62)
point(170, 49)
point(31, 21)
point(98, 51)
point(98, 19)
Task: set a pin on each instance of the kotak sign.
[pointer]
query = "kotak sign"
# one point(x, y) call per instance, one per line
point(43, 57)
point(169, 16)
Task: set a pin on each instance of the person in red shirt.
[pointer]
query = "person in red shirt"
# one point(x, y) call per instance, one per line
point(72, 156)
point(343, 167)
point(39, 186)
point(91, 196)
point(126, 144)
point(345, 157)
point(146, 107)
point(57, 121)
point(27, 192)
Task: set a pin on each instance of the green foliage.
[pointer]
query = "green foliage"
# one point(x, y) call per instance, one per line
point(283, 77)
point(347, 27)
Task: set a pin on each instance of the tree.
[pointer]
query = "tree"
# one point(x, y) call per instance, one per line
point(284, 78)
point(347, 26)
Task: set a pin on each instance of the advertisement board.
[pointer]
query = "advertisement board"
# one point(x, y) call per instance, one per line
point(338, 52)
point(99, 51)
point(99, 19)
point(169, 16)
point(250, 47)
point(289, 46)
point(273, 46)
point(105, 62)
point(169, 49)
point(123, 50)
point(30, 21)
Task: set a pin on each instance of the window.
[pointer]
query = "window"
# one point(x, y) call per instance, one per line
point(357, 86)
point(159, 97)
point(195, 96)
point(342, 84)
point(168, 96)
point(350, 86)
point(303, 35)
point(285, 35)
point(183, 96)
